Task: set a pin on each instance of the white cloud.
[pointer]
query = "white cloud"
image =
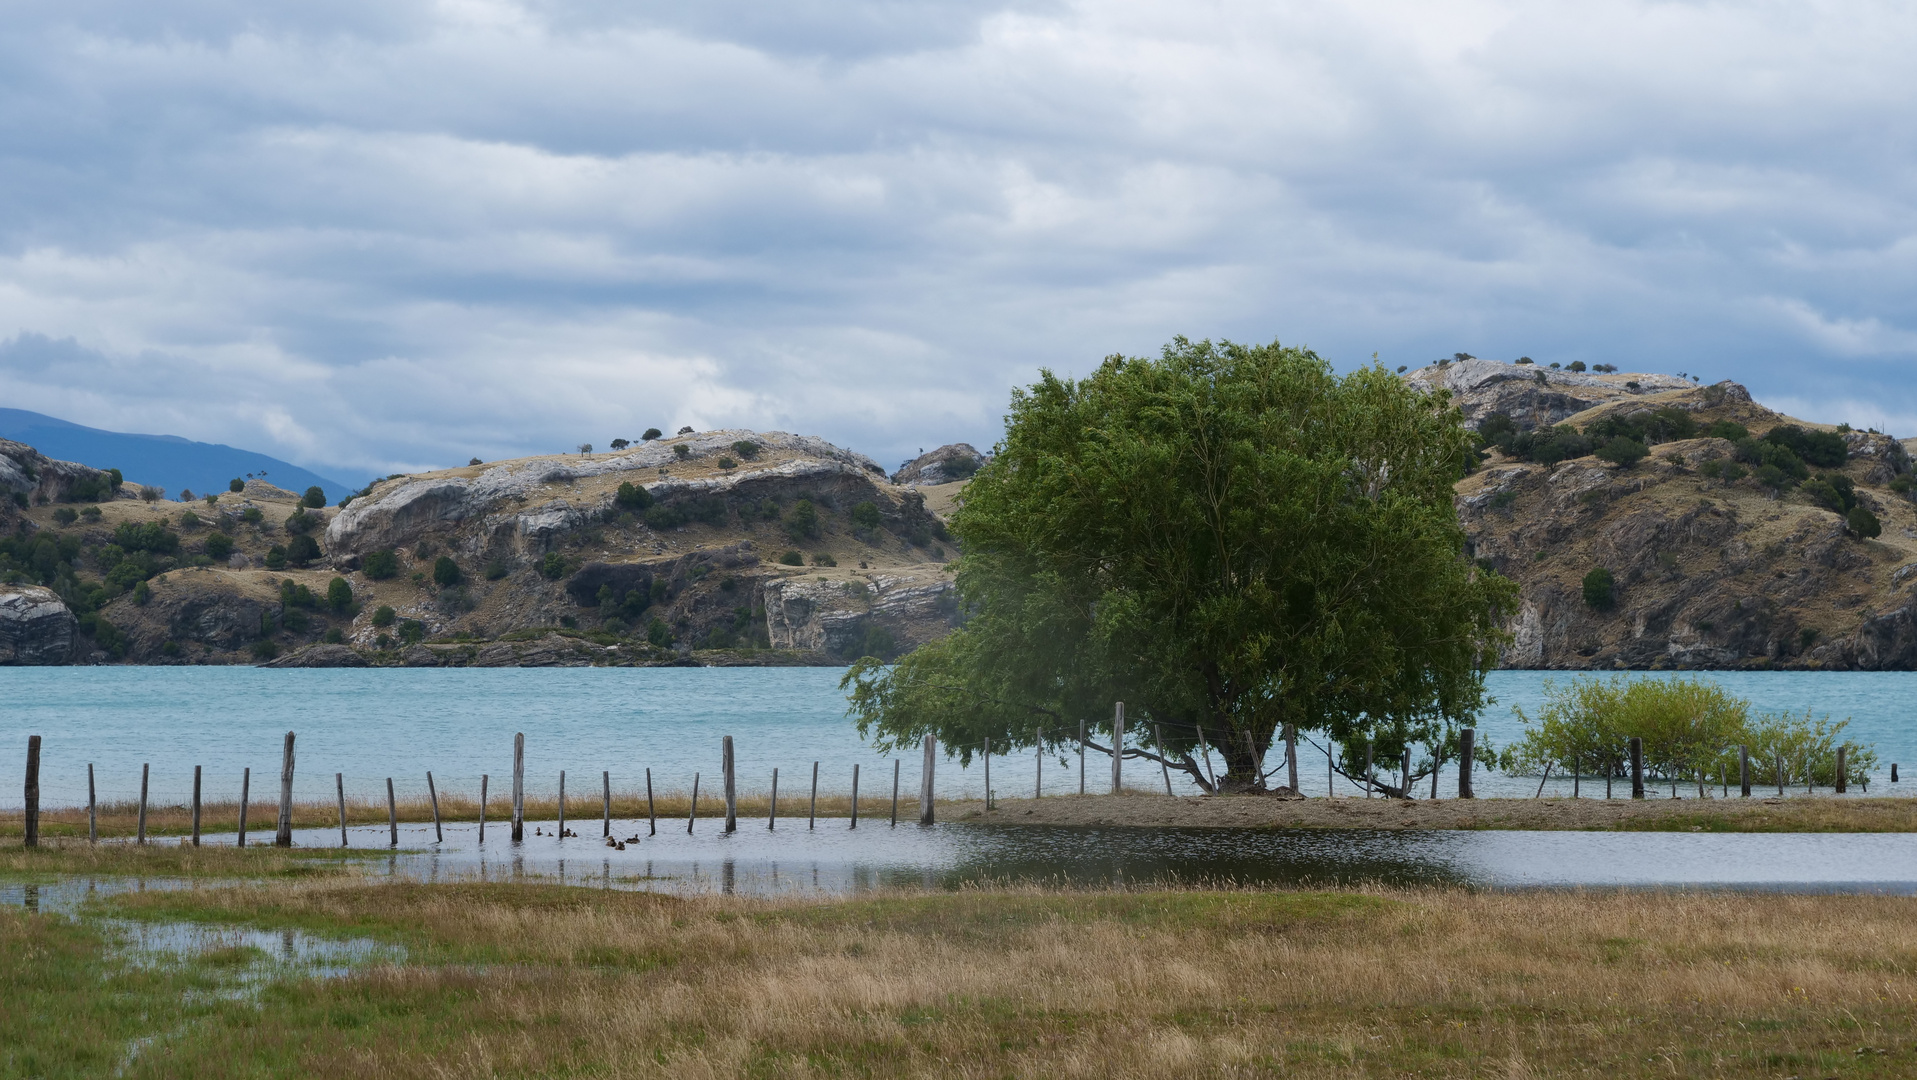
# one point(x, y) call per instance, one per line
point(378, 236)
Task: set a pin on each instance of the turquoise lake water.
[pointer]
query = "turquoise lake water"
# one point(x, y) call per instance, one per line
point(373, 723)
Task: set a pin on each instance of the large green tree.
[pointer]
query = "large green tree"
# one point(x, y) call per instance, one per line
point(1230, 539)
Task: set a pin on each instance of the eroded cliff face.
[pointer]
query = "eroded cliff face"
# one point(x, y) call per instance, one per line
point(1708, 573)
point(1534, 396)
point(35, 626)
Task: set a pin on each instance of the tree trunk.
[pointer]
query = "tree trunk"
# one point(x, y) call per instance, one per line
point(1242, 751)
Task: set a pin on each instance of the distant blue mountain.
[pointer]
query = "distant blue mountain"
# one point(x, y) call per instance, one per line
point(169, 461)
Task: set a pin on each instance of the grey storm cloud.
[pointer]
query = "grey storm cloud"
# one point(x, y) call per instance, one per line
point(388, 235)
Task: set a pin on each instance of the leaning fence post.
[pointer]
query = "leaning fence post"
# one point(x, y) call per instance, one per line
point(772, 817)
point(652, 816)
point(1118, 747)
point(1637, 767)
point(519, 787)
point(812, 815)
point(140, 835)
point(1841, 785)
point(925, 779)
point(33, 791)
point(392, 813)
point(1158, 734)
point(1744, 770)
point(246, 792)
point(93, 809)
point(1205, 749)
point(693, 814)
point(482, 806)
point(855, 794)
point(605, 794)
point(432, 793)
point(732, 790)
point(196, 806)
point(339, 787)
point(1405, 772)
point(1467, 747)
point(284, 838)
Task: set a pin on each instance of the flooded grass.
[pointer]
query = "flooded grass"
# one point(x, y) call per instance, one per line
point(538, 979)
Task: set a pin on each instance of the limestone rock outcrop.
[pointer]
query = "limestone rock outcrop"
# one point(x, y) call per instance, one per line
point(1532, 395)
point(949, 463)
point(36, 628)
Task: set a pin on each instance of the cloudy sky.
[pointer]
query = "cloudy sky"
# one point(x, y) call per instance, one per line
point(380, 235)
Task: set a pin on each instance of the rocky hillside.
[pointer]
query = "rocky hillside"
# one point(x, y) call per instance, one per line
point(722, 548)
point(1712, 560)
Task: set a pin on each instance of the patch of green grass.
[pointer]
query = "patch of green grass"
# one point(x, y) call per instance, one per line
point(52, 861)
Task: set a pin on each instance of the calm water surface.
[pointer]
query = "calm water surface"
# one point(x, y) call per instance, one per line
point(373, 723)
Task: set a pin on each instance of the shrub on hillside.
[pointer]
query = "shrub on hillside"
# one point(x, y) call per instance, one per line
point(792, 558)
point(339, 594)
point(746, 449)
point(150, 493)
point(632, 496)
point(384, 616)
point(1600, 590)
point(681, 451)
point(553, 566)
point(1575, 365)
point(824, 558)
point(727, 463)
point(219, 546)
point(620, 444)
point(1729, 430)
point(651, 434)
point(802, 522)
point(151, 536)
point(314, 497)
point(236, 485)
point(866, 515)
point(1864, 524)
point(380, 565)
point(300, 521)
point(65, 515)
point(189, 520)
point(252, 515)
point(302, 549)
point(1825, 449)
point(445, 571)
point(276, 558)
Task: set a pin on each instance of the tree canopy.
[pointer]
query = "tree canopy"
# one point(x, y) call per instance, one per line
point(1229, 539)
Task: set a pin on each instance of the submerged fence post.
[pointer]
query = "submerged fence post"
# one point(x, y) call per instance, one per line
point(562, 804)
point(605, 795)
point(732, 790)
point(1842, 786)
point(519, 787)
point(33, 791)
point(284, 837)
point(925, 779)
point(392, 813)
point(140, 835)
point(432, 793)
point(1118, 747)
point(482, 806)
point(1467, 747)
point(1744, 770)
point(1637, 767)
point(246, 793)
point(339, 787)
point(93, 809)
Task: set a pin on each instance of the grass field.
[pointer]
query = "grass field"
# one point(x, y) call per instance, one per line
point(540, 980)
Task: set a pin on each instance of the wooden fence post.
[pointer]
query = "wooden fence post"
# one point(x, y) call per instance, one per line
point(812, 815)
point(1081, 757)
point(1158, 734)
point(93, 809)
point(1744, 770)
point(1467, 749)
point(732, 790)
point(925, 779)
point(140, 835)
point(33, 792)
point(196, 806)
point(1780, 775)
point(772, 819)
point(652, 816)
point(1368, 749)
point(339, 786)
point(1637, 767)
point(432, 792)
point(246, 793)
point(284, 837)
point(562, 804)
point(1038, 776)
point(483, 778)
point(895, 792)
point(988, 774)
point(392, 813)
point(1205, 749)
point(1405, 772)
point(1842, 785)
point(1118, 747)
point(1291, 757)
point(519, 787)
point(605, 795)
point(855, 794)
point(693, 814)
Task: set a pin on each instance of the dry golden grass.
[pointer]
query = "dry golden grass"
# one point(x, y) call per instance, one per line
point(539, 980)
